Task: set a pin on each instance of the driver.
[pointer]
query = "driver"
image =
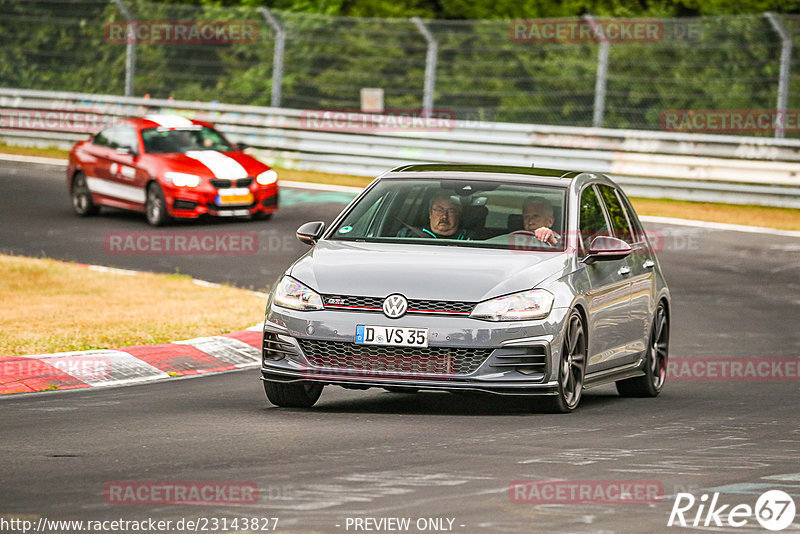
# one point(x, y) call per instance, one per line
point(444, 220)
point(183, 140)
point(538, 217)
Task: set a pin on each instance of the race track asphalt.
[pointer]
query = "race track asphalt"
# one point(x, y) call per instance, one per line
point(376, 454)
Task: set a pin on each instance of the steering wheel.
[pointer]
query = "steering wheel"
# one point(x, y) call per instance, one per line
point(415, 231)
point(527, 234)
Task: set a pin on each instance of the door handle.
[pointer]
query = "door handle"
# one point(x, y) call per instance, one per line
point(624, 270)
point(649, 264)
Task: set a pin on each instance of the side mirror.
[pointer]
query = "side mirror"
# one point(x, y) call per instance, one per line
point(310, 232)
point(604, 248)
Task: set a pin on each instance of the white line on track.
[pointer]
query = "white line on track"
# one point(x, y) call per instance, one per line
point(34, 159)
point(350, 189)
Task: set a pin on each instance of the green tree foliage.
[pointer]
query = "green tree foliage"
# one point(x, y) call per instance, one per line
point(721, 62)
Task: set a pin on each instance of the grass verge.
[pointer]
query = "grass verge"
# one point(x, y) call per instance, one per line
point(780, 218)
point(49, 152)
point(52, 306)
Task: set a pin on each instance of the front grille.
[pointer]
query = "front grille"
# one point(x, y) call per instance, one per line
point(420, 306)
point(221, 183)
point(274, 348)
point(440, 306)
point(402, 360)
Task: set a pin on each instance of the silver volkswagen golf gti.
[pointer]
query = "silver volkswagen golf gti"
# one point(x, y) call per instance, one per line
point(472, 278)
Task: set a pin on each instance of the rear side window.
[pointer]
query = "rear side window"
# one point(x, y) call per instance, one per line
point(126, 138)
point(593, 222)
point(117, 136)
point(619, 220)
point(636, 225)
point(101, 139)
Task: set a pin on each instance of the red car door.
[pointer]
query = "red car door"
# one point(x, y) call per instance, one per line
point(115, 175)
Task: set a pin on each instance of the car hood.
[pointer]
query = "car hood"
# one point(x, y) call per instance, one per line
point(211, 164)
point(423, 271)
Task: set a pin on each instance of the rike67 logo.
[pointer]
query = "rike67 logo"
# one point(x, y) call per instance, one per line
point(774, 510)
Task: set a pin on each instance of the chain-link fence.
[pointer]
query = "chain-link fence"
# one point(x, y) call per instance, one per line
point(511, 71)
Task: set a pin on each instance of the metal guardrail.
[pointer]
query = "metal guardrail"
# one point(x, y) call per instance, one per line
point(713, 168)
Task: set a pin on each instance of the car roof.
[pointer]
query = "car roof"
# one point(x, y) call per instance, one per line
point(532, 175)
point(491, 172)
point(163, 120)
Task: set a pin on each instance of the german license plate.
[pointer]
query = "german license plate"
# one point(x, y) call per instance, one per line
point(225, 198)
point(391, 336)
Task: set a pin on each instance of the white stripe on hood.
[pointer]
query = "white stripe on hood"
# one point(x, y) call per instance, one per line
point(221, 165)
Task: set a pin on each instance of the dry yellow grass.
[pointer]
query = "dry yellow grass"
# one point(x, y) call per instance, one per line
point(323, 177)
point(50, 306)
point(782, 218)
point(49, 152)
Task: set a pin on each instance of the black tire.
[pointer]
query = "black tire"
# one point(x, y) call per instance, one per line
point(571, 369)
point(302, 395)
point(261, 216)
point(655, 364)
point(82, 201)
point(156, 206)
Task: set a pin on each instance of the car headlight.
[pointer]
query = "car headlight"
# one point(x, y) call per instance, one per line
point(182, 179)
point(267, 177)
point(292, 294)
point(533, 304)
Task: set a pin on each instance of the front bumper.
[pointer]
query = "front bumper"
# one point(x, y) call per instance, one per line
point(194, 202)
point(464, 354)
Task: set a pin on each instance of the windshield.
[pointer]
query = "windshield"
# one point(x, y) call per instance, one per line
point(458, 213)
point(167, 140)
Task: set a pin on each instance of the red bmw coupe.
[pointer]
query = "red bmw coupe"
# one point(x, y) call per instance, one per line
point(168, 166)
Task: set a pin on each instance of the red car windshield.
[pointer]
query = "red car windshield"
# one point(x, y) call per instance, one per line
point(170, 140)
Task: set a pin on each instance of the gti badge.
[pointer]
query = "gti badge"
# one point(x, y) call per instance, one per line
point(395, 306)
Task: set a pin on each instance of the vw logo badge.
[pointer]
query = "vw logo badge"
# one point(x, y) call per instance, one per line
point(395, 306)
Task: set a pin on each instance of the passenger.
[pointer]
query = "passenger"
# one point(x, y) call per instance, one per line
point(444, 218)
point(538, 218)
